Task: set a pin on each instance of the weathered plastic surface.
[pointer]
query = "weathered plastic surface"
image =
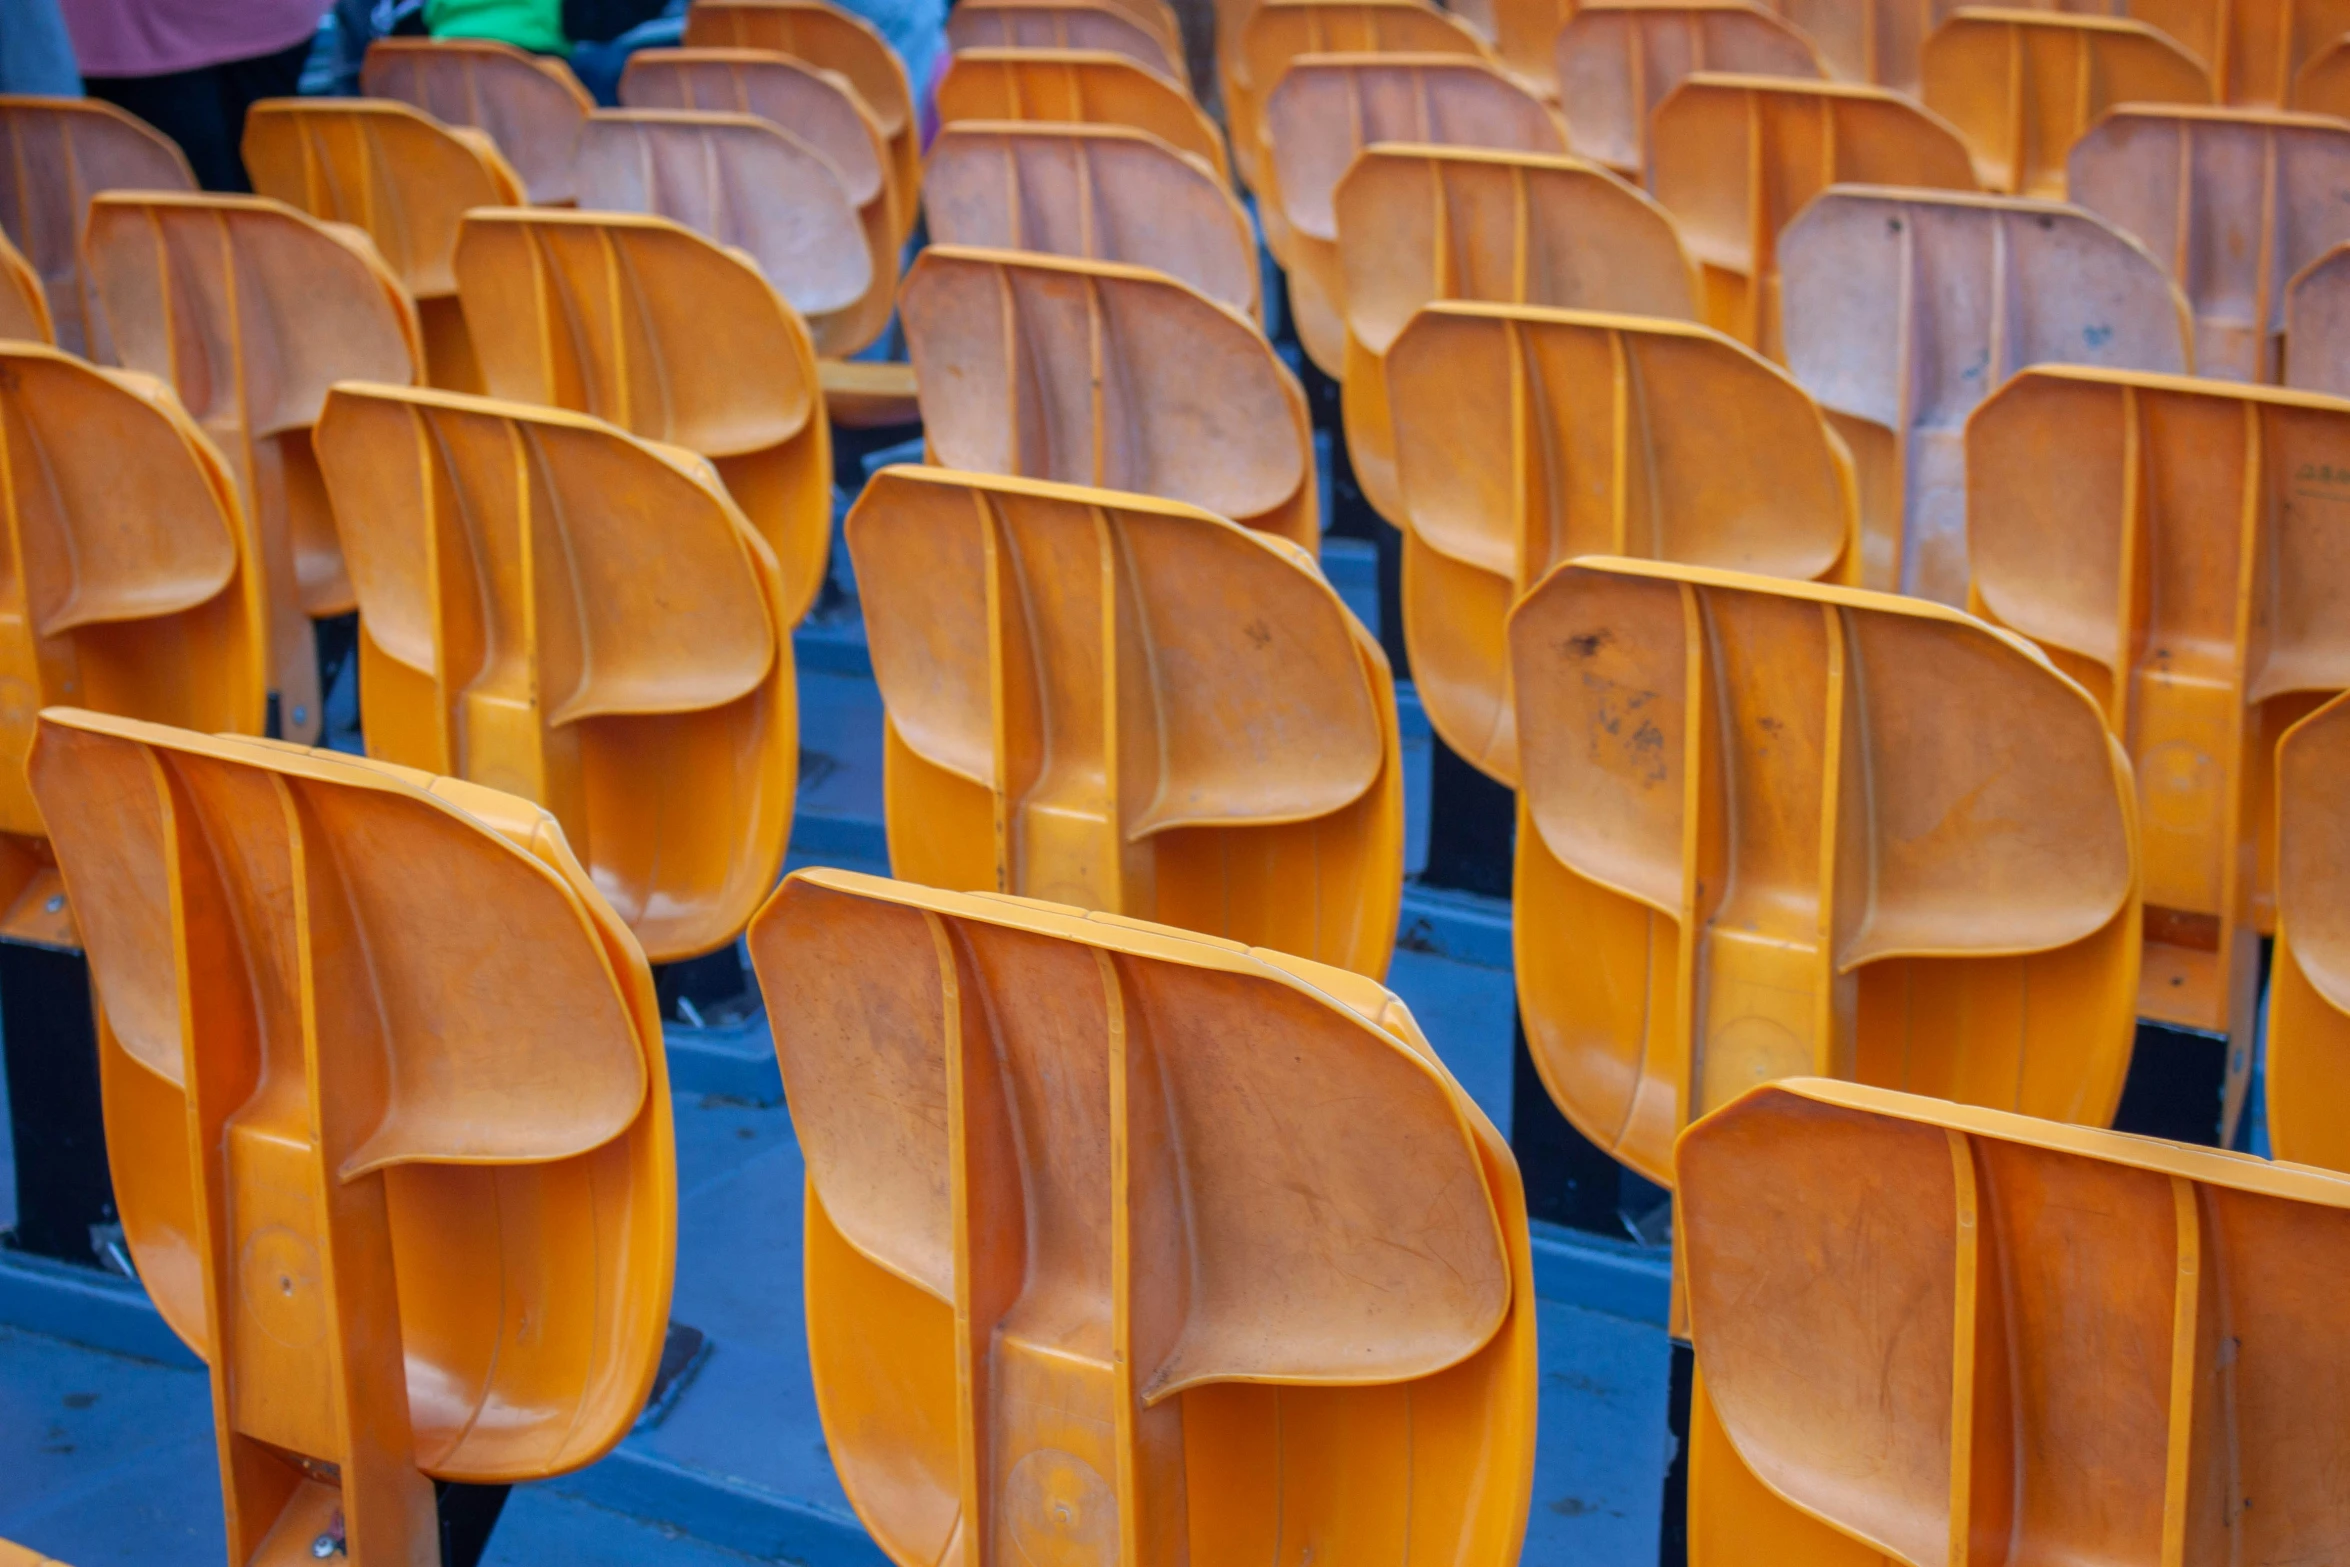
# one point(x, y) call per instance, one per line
point(2023, 86)
point(638, 683)
point(1874, 42)
point(2322, 86)
point(1526, 436)
point(1089, 372)
point(1932, 1333)
point(531, 106)
point(1735, 158)
point(2182, 548)
point(1067, 24)
point(2253, 49)
point(24, 304)
point(1126, 1245)
point(1905, 309)
point(1280, 30)
point(2317, 325)
point(250, 310)
point(387, 1116)
point(1096, 192)
point(1077, 87)
point(1130, 704)
point(1325, 110)
point(1523, 32)
point(55, 154)
point(750, 184)
point(1617, 59)
point(2236, 200)
point(2307, 1070)
point(1773, 829)
point(645, 324)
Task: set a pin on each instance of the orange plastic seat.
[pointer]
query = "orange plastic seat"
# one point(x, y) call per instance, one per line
point(2253, 49)
point(1129, 1245)
point(1067, 24)
point(638, 684)
point(2006, 283)
point(1088, 372)
point(1077, 86)
point(55, 154)
point(1617, 59)
point(2317, 325)
point(1873, 42)
point(1775, 829)
point(387, 1115)
point(2237, 200)
point(530, 106)
point(1527, 436)
point(2322, 85)
point(647, 325)
point(2023, 86)
point(1523, 32)
point(24, 304)
point(1324, 111)
point(250, 310)
point(1279, 31)
point(1735, 158)
point(14, 1555)
point(1129, 704)
point(748, 183)
point(2308, 1063)
point(1932, 1333)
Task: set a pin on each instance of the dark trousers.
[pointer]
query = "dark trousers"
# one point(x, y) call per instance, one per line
point(204, 109)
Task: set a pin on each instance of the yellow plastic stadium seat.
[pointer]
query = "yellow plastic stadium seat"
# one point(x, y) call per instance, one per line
point(1077, 86)
point(250, 310)
point(1899, 366)
point(1067, 24)
point(1735, 158)
point(2253, 49)
point(2317, 325)
point(1130, 704)
point(749, 184)
point(1088, 372)
point(1281, 30)
point(2237, 200)
point(55, 154)
point(647, 325)
point(2022, 86)
point(2174, 544)
point(1872, 42)
point(1932, 1333)
point(1523, 33)
point(1418, 224)
point(24, 304)
point(1095, 192)
point(2323, 85)
point(387, 1116)
point(14, 1555)
point(530, 106)
point(1617, 59)
point(1320, 116)
point(1773, 829)
point(2308, 1066)
point(638, 685)
point(1127, 1245)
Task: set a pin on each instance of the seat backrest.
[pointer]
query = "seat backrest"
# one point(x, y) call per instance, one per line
point(2254, 49)
point(1523, 32)
point(2309, 988)
point(531, 107)
point(2236, 200)
point(2022, 86)
point(2317, 325)
point(2322, 84)
point(1089, 372)
point(552, 607)
point(2175, 545)
point(1617, 59)
point(1526, 436)
point(1873, 42)
point(383, 1081)
point(831, 38)
point(1099, 192)
point(1774, 829)
point(2135, 1337)
point(1082, 1112)
point(1131, 704)
point(55, 154)
point(1066, 24)
point(1900, 366)
point(1281, 30)
point(24, 304)
point(1077, 86)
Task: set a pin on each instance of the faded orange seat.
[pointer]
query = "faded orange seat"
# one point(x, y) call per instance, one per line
point(1527, 436)
point(1067, 24)
point(2022, 86)
point(1617, 59)
point(2253, 49)
point(1279, 31)
point(1735, 158)
point(1523, 32)
point(1129, 704)
point(1097, 192)
point(530, 106)
point(250, 310)
point(1873, 42)
point(638, 684)
point(1077, 86)
point(1089, 372)
point(1899, 368)
point(1324, 111)
point(24, 304)
point(1775, 829)
point(2308, 1061)
point(387, 1115)
point(2317, 325)
point(2137, 1341)
point(2237, 200)
point(2322, 86)
point(55, 154)
point(400, 176)
point(1127, 1243)
point(649, 326)
point(748, 183)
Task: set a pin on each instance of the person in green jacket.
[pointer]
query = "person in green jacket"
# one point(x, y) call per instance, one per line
point(536, 25)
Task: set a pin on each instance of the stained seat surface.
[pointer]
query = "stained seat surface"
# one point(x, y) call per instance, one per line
point(530, 106)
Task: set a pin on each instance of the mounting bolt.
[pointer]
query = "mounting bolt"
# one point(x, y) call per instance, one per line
point(326, 1545)
point(56, 903)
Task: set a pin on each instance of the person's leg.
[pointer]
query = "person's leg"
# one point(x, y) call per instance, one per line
point(244, 83)
point(185, 106)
